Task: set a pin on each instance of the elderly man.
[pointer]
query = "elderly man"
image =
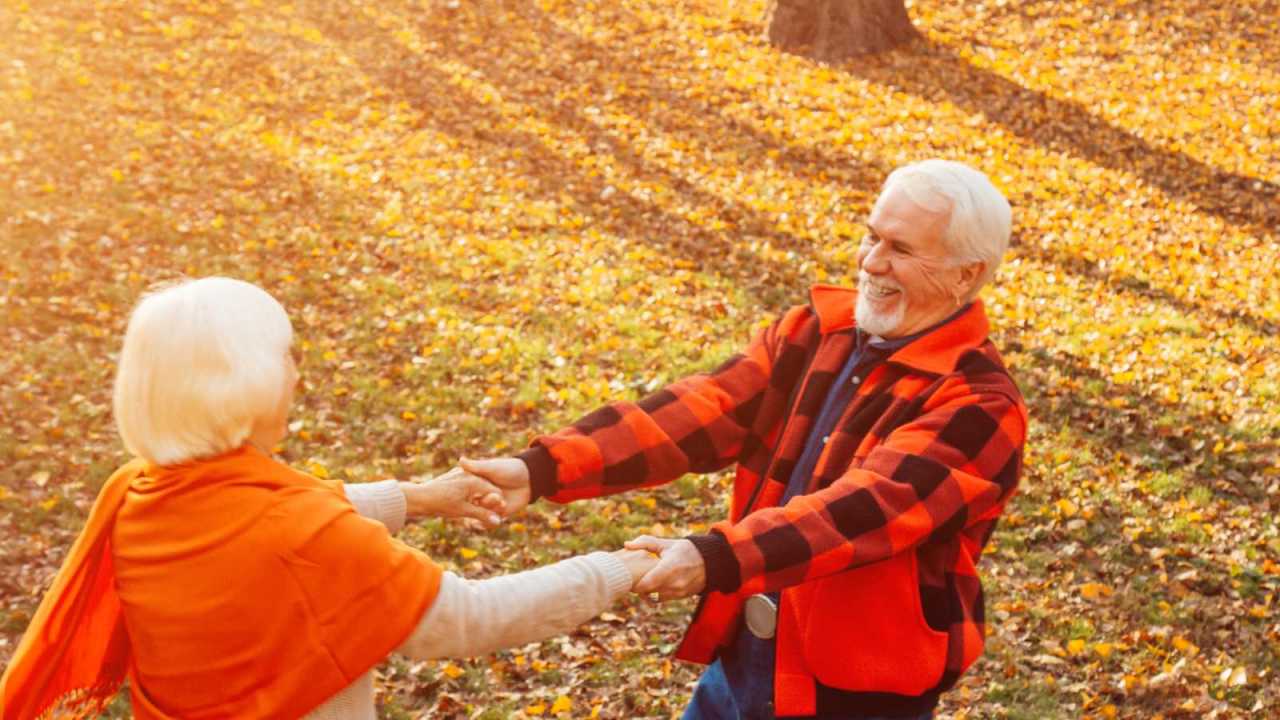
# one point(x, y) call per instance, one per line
point(877, 437)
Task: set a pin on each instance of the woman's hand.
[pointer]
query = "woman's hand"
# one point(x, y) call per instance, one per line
point(638, 562)
point(455, 494)
point(681, 571)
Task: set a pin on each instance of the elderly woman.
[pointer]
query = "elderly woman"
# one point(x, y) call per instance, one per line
point(223, 583)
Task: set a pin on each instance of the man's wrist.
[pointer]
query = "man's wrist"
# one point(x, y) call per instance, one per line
point(542, 472)
point(718, 559)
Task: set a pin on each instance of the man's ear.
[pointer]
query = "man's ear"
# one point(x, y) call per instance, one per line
point(970, 275)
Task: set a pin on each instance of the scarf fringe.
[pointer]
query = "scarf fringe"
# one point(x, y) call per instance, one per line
point(82, 703)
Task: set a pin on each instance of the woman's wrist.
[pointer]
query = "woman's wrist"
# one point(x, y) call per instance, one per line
point(420, 499)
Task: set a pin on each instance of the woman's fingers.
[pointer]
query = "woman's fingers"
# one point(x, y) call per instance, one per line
point(483, 496)
point(492, 501)
point(650, 543)
point(680, 572)
point(638, 563)
point(486, 517)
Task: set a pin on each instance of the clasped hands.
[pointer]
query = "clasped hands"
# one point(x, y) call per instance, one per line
point(488, 490)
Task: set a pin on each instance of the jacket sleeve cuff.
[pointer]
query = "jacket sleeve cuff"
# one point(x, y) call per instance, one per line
point(542, 472)
point(721, 565)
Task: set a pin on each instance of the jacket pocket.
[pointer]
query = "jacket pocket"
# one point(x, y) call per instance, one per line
point(865, 630)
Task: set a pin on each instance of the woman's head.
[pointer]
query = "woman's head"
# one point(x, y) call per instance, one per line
point(205, 367)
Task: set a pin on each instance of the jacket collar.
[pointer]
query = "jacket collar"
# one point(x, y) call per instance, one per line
point(937, 352)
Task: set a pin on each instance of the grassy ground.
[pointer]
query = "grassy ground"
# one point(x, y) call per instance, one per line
point(486, 217)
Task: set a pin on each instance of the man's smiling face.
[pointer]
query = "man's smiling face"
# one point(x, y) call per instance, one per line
point(907, 277)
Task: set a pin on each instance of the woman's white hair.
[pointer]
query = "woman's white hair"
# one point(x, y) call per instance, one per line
point(978, 230)
point(202, 360)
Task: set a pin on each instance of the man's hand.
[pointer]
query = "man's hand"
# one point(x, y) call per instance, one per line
point(680, 571)
point(509, 474)
point(455, 494)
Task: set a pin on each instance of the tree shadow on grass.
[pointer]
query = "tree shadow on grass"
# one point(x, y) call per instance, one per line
point(520, 73)
point(936, 73)
point(664, 107)
point(1033, 249)
point(1208, 24)
point(1130, 426)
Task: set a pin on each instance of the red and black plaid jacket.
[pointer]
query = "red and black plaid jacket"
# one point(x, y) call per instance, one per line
point(881, 604)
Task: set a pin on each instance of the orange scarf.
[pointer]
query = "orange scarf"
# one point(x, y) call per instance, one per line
point(227, 587)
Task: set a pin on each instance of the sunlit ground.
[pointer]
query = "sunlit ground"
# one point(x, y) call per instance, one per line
point(485, 218)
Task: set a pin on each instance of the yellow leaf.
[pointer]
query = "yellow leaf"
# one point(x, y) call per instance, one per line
point(1093, 591)
point(453, 671)
point(467, 553)
point(1066, 508)
point(1075, 647)
point(1103, 650)
point(1184, 645)
point(319, 470)
point(536, 709)
point(408, 415)
point(562, 704)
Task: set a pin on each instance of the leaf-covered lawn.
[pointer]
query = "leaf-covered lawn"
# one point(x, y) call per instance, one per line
point(487, 217)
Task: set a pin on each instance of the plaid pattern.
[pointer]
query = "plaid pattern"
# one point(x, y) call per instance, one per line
point(923, 460)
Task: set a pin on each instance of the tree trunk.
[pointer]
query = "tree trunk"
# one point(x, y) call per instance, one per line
point(836, 29)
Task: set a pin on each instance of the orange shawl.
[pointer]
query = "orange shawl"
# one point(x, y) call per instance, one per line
point(227, 587)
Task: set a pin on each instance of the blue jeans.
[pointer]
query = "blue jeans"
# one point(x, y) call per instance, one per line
point(740, 685)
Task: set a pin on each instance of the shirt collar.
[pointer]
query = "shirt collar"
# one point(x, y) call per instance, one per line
point(936, 349)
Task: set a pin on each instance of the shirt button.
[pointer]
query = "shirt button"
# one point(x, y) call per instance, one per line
point(825, 439)
point(856, 380)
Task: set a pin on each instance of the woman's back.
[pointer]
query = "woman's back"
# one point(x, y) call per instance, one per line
point(246, 583)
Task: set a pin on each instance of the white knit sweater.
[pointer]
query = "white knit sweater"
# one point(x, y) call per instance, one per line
point(474, 617)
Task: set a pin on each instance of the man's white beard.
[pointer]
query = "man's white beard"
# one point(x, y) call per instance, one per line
point(878, 323)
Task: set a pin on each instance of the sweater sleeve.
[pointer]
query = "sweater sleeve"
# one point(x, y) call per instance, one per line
point(474, 617)
point(383, 501)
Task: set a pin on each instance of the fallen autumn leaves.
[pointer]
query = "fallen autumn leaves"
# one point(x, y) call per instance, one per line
point(487, 217)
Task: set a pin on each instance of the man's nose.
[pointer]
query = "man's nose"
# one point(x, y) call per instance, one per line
point(874, 260)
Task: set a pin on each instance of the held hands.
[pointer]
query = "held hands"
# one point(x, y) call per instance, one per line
point(679, 571)
point(638, 563)
point(455, 494)
point(510, 475)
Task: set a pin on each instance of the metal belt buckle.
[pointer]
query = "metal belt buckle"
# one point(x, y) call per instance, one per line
point(761, 614)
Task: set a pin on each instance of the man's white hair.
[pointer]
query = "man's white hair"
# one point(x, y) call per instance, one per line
point(202, 360)
point(978, 230)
